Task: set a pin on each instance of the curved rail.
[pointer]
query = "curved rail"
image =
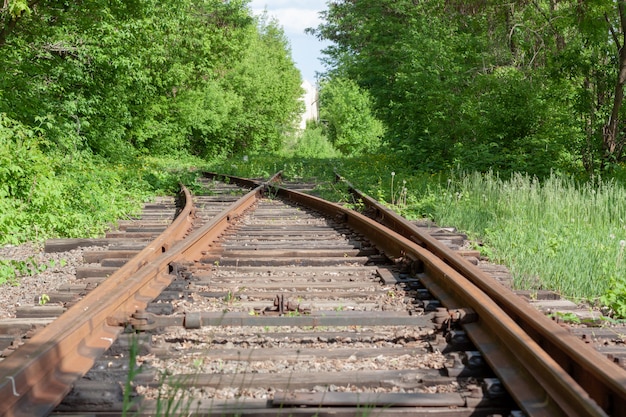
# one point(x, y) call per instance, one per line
point(41, 372)
point(605, 382)
point(63, 351)
point(563, 377)
point(541, 386)
point(537, 382)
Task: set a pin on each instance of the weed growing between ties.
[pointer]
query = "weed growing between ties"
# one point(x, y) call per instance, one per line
point(133, 370)
point(208, 383)
point(11, 270)
point(172, 399)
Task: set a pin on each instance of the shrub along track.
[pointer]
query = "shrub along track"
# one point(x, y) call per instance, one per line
point(288, 310)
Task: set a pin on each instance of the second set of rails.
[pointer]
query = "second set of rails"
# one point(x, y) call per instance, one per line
point(290, 305)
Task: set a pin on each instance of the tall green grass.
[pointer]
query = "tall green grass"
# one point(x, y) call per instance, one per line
point(555, 234)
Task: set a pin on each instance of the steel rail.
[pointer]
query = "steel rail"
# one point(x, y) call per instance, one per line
point(602, 380)
point(543, 389)
point(540, 386)
point(40, 373)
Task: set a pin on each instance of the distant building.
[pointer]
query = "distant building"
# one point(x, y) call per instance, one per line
point(310, 97)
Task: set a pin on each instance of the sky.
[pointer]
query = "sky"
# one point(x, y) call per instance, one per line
point(295, 16)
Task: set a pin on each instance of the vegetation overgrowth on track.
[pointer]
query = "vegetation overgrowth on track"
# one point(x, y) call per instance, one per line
point(559, 233)
point(108, 104)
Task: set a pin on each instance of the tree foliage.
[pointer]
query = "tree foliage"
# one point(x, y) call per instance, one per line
point(200, 76)
point(515, 86)
point(346, 111)
point(89, 88)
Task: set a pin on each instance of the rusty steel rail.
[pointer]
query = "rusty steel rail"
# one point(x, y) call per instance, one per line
point(40, 373)
point(538, 383)
point(67, 347)
point(603, 381)
point(593, 386)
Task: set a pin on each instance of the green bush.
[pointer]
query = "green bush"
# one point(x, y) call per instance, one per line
point(312, 143)
point(347, 113)
point(46, 195)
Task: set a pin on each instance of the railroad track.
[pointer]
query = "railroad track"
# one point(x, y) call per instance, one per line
point(279, 303)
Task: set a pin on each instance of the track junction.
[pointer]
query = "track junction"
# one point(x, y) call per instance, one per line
point(258, 299)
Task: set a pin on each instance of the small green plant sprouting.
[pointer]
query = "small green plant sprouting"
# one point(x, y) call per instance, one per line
point(615, 298)
point(272, 191)
point(43, 299)
point(197, 363)
point(566, 317)
point(356, 206)
point(8, 273)
point(230, 297)
point(11, 269)
point(133, 370)
point(172, 399)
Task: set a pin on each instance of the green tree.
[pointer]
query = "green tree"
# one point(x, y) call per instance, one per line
point(347, 112)
point(491, 83)
point(575, 49)
point(10, 13)
point(266, 79)
point(116, 78)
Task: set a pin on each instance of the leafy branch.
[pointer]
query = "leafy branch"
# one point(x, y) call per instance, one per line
point(10, 13)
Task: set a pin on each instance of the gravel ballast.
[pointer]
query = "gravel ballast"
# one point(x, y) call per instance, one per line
point(49, 272)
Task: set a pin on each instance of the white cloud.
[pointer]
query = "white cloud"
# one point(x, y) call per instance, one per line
point(293, 16)
point(296, 20)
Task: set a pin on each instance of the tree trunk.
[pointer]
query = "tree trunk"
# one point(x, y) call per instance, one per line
point(612, 140)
